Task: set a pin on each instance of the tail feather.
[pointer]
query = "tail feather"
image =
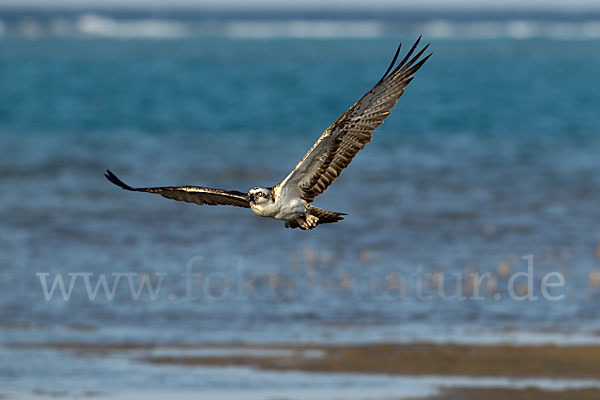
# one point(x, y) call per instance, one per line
point(325, 216)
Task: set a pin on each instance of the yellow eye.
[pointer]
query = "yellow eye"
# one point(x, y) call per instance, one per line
point(259, 194)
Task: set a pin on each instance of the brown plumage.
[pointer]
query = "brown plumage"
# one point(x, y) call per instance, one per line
point(338, 145)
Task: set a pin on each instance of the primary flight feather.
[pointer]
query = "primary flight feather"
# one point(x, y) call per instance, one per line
point(320, 167)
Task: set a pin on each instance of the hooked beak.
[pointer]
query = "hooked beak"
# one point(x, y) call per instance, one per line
point(251, 198)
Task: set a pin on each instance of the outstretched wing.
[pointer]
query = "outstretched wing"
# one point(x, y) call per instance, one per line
point(338, 145)
point(191, 194)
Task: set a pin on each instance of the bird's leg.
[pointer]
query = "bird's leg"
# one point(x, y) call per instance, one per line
point(305, 222)
point(311, 221)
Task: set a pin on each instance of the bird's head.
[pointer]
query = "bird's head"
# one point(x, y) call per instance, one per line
point(260, 196)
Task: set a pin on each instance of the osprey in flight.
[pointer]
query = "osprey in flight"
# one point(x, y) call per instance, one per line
point(329, 156)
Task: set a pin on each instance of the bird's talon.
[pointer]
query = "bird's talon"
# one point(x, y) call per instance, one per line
point(312, 221)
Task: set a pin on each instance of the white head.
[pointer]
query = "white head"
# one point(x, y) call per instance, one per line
point(260, 196)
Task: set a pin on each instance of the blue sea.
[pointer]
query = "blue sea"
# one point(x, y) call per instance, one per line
point(488, 167)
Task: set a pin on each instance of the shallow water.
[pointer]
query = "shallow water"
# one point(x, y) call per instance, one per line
point(491, 155)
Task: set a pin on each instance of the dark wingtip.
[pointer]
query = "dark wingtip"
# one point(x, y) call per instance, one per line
point(392, 63)
point(403, 64)
point(116, 181)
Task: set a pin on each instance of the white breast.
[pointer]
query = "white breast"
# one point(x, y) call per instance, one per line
point(280, 209)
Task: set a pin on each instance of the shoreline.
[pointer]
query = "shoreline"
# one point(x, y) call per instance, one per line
point(452, 371)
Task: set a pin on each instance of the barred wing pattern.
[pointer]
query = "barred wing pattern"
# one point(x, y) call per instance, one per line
point(190, 194)
point(338, 145)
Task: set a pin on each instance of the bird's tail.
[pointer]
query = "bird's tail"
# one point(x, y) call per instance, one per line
point(313, 217)
point(325, 216)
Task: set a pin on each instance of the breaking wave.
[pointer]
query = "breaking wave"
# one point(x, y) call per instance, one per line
point(512, 29)
point(302, 29)
point(96, 25)
point(104, 26)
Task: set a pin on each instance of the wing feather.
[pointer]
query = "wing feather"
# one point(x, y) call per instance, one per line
point(191, 194)
point(350, 133)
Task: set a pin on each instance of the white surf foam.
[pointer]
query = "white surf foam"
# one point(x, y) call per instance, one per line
point(511, 29)
point(101, 26)
point(302, 29)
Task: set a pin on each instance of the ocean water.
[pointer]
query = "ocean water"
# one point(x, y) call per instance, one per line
point(489, 157)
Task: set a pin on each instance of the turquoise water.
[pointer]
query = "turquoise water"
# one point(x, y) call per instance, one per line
point(491, 155)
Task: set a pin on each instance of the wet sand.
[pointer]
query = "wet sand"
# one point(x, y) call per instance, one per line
point(580, 362)
point(438, 359)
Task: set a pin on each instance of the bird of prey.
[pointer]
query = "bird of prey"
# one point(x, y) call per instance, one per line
point(328, 157)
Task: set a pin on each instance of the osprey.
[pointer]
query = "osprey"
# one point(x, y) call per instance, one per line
point(328, 157)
